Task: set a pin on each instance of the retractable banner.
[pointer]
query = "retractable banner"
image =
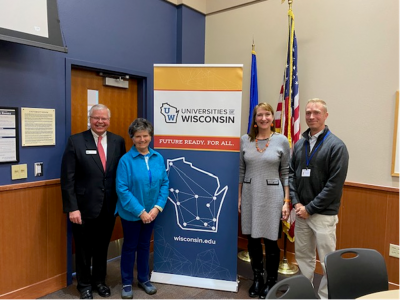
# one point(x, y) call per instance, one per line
point(197, 116)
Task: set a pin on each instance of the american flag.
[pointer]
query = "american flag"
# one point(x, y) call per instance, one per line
point(287, 117)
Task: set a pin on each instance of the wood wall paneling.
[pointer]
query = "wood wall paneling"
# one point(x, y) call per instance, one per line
point(118, 232)
point(33, 234)
point(33, 241)
point(56, 237)
point(392, 236)
point(368, 218)
point(363, 219)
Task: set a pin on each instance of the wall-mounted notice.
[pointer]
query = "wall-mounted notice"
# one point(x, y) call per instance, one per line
point(9, 135)
point(38, 126)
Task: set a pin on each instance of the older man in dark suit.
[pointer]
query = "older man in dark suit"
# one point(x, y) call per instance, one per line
point(88, 171)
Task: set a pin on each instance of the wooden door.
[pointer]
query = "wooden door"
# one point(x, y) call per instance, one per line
point(121, 102)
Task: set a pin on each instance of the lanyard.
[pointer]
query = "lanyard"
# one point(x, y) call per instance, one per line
point(308, 158)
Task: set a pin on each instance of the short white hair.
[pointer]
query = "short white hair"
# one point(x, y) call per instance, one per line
point(99, 107)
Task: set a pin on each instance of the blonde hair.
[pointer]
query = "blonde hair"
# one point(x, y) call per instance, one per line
point(320, 101)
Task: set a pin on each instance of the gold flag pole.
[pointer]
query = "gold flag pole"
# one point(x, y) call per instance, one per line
point(244, 255)
point(285, 267)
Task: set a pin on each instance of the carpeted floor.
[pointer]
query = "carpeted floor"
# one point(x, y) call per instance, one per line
point(166, 291)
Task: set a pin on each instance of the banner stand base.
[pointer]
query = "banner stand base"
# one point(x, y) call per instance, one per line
point(205, 283)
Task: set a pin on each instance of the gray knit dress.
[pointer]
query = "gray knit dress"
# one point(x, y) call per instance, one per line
point(263, 176)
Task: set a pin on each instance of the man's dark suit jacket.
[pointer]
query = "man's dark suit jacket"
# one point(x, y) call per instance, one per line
point(84, 184)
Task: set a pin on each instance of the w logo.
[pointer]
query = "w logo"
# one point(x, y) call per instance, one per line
point(169, 112)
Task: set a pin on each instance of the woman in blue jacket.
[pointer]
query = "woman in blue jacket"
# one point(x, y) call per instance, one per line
point(142, 188)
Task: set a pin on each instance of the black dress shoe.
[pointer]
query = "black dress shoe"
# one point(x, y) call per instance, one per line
point(102, 290)
point(87, 294)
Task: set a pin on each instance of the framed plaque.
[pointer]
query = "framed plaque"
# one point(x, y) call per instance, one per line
point(396, 131)
point(9, 135)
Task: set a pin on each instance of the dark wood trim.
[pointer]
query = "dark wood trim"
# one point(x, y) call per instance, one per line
point(57, 181)
point(372, 187)
point(18, 186)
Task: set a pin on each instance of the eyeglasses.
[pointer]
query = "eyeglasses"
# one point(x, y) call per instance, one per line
point(100, 119)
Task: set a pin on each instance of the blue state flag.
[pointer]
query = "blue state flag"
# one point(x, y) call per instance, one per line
point(253, 87)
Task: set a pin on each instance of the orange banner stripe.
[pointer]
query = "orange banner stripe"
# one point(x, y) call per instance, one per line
point(198, 78)
point(197, 143)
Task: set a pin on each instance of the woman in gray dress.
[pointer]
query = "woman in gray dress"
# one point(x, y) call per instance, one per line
point(263, 194)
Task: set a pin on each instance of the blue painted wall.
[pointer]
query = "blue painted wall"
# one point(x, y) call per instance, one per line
point(190, 29)
point(127, 35)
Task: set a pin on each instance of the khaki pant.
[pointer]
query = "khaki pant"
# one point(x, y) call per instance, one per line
point(317, 232)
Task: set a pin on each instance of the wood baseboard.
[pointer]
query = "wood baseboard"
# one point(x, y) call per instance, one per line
point(38, 289)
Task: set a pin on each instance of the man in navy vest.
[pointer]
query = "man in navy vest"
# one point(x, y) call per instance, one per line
point(317, 173)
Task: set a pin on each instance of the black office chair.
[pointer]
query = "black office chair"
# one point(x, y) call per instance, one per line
point(295, 287)
point(352, 277)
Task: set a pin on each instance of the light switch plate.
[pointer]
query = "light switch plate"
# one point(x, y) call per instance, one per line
point(38, 169)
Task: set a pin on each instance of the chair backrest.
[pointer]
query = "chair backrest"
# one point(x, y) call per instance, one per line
point(295, 287)
point(352, 277)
